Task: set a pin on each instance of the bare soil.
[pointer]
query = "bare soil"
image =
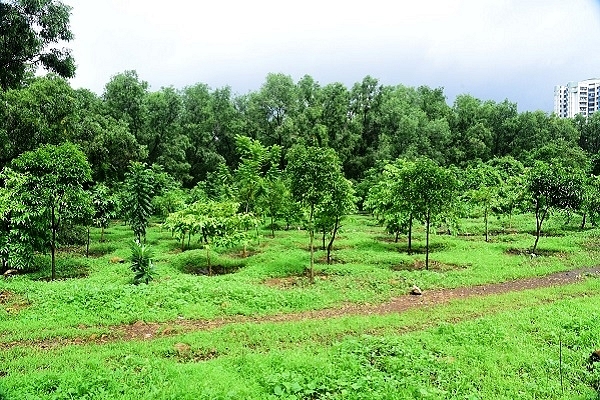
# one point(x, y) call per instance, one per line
point(141, 330)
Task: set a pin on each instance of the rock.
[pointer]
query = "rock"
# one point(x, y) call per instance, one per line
point(117, 260)
point(11, 272)
point(416, 291)
point(594, 357)
point(181, 348)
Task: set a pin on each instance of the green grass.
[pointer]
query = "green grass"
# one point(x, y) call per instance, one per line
point(503, 346)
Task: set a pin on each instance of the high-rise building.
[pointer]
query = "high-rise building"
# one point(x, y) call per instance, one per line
point(577, 98)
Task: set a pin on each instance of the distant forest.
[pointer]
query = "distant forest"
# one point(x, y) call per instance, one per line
point(191, 132)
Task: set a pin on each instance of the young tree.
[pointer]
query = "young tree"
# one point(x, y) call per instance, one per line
point(312, 172)
point(330, 212)
point(139, 189)
point(434, 194)
point(29, 29)
point(105, 206)
point(46, 189)
point(482, 188)
point(552, 187)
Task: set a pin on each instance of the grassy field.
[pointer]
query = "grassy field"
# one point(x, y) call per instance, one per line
point(530, 344)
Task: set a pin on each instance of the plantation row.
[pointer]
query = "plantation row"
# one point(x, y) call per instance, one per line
point(47, 194)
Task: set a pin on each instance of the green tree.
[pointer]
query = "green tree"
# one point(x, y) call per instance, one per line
point(46, 186)
point(124, 96)
point(482, 190)
point(257, 161)
point(139, 189)
point(550, 188)
point(105, 206)
point(29, 33)
point(43, 112)
point(434, 193)
point(312, 172)
point(337, 205)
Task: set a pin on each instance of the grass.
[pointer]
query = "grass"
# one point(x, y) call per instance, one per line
point(502, 346)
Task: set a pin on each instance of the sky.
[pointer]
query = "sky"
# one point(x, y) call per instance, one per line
point(492, 49)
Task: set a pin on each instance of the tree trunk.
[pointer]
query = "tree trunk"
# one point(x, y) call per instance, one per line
point(102, 234)
point(539, 220)
point(323, 239)
point(53, 245)
point(583, 221)
point(428, 220)
point(330, 245)
point(87, 247)
point(396, 236)
point(311, 271)
point(272, 227)
point(485, 218)
point(410, 221)
point(208, 260)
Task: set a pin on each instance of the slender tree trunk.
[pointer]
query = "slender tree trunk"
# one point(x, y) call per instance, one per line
point(208, 260)
point(330, 245)
point(485, 218)
point(87, 247)
point(583, 221)
point(410, 223)
point(323, 237)
point(539, 220)
point(53, 245)
point(272, 226)
point(102, 234)
point(312, 246)
point(428, 219)
point(396, 236)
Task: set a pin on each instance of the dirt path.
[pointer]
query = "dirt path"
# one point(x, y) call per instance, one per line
point(146, 331)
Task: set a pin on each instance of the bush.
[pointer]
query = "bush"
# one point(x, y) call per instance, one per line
point(141, 263)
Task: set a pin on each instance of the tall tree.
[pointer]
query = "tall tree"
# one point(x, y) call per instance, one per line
point(29, 33)
point(43, 112)
point(312, 171)
point(47, 192)
point(434, 190)
point(124, 95)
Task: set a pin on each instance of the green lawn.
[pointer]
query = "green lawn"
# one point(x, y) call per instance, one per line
point(514, 345)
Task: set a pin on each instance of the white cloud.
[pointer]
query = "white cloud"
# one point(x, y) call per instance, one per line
point(459, 44)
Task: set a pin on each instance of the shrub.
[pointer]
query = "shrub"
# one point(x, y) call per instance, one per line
point(141, 263)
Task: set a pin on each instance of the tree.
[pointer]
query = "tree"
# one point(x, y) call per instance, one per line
point(390, 199)
point(139, 189)
point(29, 29)
point(124, 96)
point(43, 112)
point(337, 205)
point(433, 193)
point(105, 206)
point(312, 172)
point(46, 186)
point(550, 188)
point(257, 161)
point(482, 188)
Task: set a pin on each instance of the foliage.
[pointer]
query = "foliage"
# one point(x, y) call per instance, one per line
point(141, 263)
point(312, 171)
point(139, 189)
point(29, 31)
point(329, 214)
point(105, 207)
point(218, 224)
point(551, 188)
point(45, 192)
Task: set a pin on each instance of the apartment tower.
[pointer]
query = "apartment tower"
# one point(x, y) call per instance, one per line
point(577, 98)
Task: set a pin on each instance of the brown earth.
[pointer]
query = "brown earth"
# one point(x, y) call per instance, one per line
point(141, 330)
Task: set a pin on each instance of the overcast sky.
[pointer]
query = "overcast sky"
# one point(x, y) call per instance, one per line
point(491, 49)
